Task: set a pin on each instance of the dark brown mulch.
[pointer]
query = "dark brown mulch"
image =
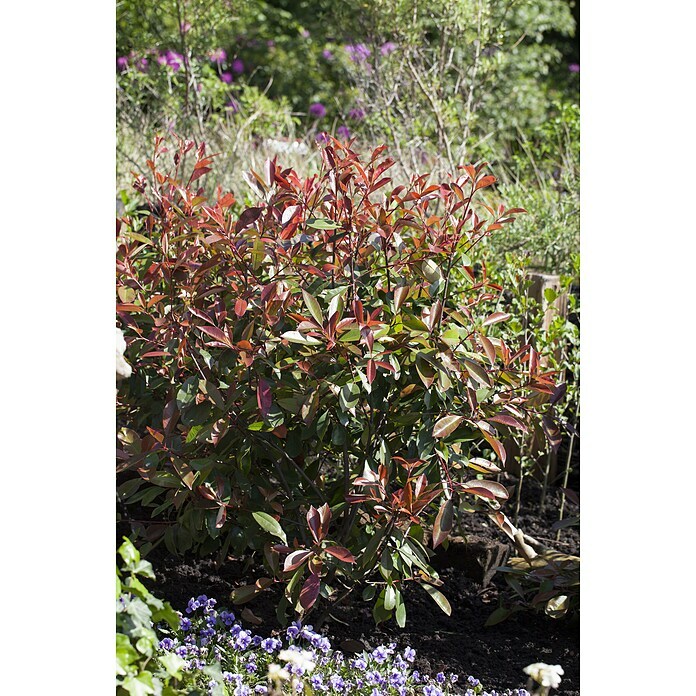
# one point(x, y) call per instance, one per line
point(458, 643)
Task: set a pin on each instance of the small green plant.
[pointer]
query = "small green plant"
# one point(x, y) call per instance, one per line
point(141, 668)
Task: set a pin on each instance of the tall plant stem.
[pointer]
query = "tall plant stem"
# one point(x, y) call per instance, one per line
point(566, 473)
point(518, 499)
point(545, 485)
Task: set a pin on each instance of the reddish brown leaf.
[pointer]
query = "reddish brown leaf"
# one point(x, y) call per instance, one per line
point(495, 318)
point(310, 591)
point(249, 216)
point(510, 421)
point(240, 306)
point(341, 553)
point(296, 559)
point(371, 371)
point(314, 523)
point(486, 489)
point(216, 334)
point(443, 522)
point(264, 396)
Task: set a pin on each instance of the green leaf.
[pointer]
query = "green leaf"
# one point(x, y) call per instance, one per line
point(446, 425)
point(193, 433)
point(322, 224)
point(125, 652)
point(265, 521)
point(439, 598)
point(187, 392)
point(173, 664)
point(478, 372)
point(349, 396)
point(313, 307)
point(389, 597)
point(129, 553)
point(401, 615)
point(379, 613)
point(140, 685)
point(500, 614)
point(297, 337)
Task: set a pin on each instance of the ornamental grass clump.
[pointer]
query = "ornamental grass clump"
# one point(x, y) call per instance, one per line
point(308, 391)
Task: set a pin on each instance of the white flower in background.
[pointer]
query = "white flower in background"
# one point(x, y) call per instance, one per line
point(545, 675)
point(298, 658)
point(123, 369)
point(277, 673)
point(287, 147)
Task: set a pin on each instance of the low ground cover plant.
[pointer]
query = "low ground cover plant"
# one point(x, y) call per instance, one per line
point(206, 650)
point(141, 666)
point(308, 391)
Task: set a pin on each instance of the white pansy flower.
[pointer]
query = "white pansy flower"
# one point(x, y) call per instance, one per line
point(277, 673)
point(546, 675)
point(123, 369)
point(298, 658)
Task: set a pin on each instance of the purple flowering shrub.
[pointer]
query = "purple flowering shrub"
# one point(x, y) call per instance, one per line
point(222, 657)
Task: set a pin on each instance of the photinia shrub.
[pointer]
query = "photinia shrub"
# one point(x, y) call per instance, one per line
point(307, 388)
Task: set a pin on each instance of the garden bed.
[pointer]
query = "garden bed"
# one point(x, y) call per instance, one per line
point(459, 643)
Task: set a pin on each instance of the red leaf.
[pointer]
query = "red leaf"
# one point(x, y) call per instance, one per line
point(216, 334)
point(314, 523)
point(443, 522)
point(495, 318)
point(486, 489)
point(488, 348)
point(552, 432)
point(371, 371)
point(310, 591)
point(249, 216)
point(486, 181)
point(240, 306)
point(325, 519)
point(400, 294)
point(264, 396)
point(341, 553)
point(504, 523)
point(509, 421)
point(296, 559)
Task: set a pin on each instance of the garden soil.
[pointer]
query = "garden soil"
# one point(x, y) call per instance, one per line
point(459, 643)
